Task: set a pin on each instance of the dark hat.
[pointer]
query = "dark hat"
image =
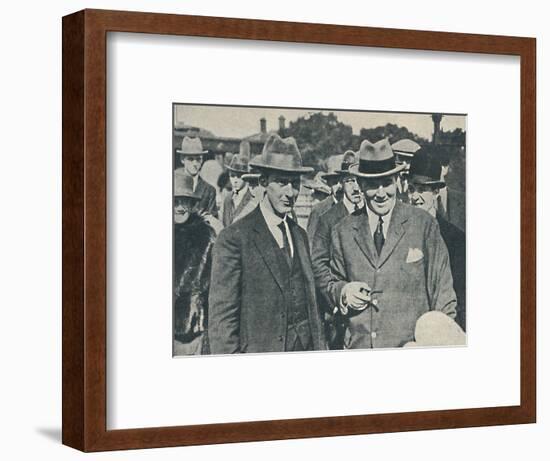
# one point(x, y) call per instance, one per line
point(280, 155)
point(426, 168)
point(191, 146)
point(183, 185)
point(348, 158)
point(375, 160)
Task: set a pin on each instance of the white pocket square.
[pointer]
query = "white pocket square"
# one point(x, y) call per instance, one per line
point(414, 254)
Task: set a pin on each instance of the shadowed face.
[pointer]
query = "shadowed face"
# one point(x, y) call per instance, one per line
point(351, 189)
point(282, 189)
point(192, 164)
point(379, 193)
point(334, 184)
point(237, 183)
point(424, 196)
point(182, 209)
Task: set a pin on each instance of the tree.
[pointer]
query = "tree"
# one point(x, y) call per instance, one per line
point(320, 136)
point(391, 131)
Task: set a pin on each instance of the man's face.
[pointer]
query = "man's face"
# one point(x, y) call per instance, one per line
point(351, 189)
point(423, 196)
point(237, 183)
point(182, 209)
point(379, 193)
point(282, 189)
point(192, 164)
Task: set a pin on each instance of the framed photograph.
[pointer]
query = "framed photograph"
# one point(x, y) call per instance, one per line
point(280, 230)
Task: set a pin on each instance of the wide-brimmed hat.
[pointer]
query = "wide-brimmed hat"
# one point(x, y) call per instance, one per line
point(348, 158)
point(405, 148)
point(183, 185)
point(435, 328)
point(426, 168)
point(191, 146)
point(375, 160)
point(280, 155)
point(239, 164)
point(316, 184)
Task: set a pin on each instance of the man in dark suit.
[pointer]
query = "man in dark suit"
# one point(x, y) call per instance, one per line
point(424, 189)
point(262, 293)
point(389, 266)
point(352, 202)
point(191, 156)
point(235, 202)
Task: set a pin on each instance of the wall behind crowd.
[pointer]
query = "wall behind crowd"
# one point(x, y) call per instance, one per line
point(30, 246)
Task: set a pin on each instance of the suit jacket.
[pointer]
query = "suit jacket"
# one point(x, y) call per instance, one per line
point(316, 212)
point(456, 208)
point(412, 275)
point(247, 296)
point(320, 252)
point(455, 240)
point(229, 210)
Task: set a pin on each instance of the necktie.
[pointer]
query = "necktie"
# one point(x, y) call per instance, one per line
point(356, 210)
point(441, 211)
point(379, 235)
point(286, 244)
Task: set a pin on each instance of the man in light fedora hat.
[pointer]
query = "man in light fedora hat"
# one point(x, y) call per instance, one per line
point(240, 196)
point(332, 180)
point(191, 156)
point(351, 202)
point(262, 295)
point(389, 265)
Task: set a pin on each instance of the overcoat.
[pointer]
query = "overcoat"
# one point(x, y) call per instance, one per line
point(411, 276)
point(207, 193)
point(248, 301)
point(455, 240)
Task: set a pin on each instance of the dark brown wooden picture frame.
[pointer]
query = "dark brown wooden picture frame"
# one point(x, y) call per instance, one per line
point(85, 222)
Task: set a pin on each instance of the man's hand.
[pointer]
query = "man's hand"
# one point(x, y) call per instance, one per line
point(355, 295)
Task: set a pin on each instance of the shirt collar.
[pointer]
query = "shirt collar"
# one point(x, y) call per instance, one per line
point(271, 218)
point(373, 218)
point(350, 206)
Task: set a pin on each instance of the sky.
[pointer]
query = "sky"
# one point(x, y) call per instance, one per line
point(238, 122)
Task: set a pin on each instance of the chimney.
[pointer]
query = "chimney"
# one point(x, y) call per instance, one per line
point(437, 127)
point(281, 123)
point(263, 125)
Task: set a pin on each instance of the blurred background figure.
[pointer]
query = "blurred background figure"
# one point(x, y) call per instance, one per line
point(404, 151)
point(240, 194)
point(425, 184)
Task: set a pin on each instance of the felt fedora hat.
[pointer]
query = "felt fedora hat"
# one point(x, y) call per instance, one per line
point(191, 146)
point(280, 155)
point(375, 160)
point(316, 184)
point(183, 185)
point(425, 168)
point(348, 160)
point(239, 164)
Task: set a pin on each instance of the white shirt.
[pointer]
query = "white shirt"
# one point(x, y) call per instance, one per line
point(273, 221)
point(195, 182)
point(373, 221)
point(350, 206)
point(238, 196)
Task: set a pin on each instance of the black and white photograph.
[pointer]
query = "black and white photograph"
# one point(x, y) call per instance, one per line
point(312, 229)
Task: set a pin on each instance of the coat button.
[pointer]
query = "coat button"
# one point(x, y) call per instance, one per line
point(280, 338)
point(373, 335)
point(375, 302)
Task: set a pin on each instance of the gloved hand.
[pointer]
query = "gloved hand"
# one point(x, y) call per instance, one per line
point(355, 295)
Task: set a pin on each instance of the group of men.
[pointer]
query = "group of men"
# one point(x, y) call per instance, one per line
point(369, 267)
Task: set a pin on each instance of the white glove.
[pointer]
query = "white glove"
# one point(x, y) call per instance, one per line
point(355, 295)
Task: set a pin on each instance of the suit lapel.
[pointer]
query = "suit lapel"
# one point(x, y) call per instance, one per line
point(396, 230)
point(269, 250)
point(247, 197)
point(363, 238)
point(300, 251)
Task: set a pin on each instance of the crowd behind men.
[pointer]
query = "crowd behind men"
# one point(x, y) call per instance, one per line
point(379, 266)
